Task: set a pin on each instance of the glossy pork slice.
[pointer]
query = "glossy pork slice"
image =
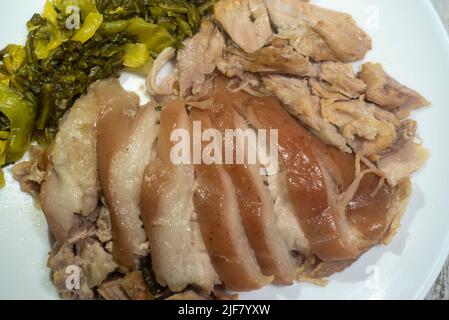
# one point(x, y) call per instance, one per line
point(362, 218)
point(125, 137)
point(342, 205)
point(254, 200)
point(246, 22)
point(338, 30)
point(325, 228)
point(179, 257)
point(221, 225)
point(71, 183)
point(367, 208)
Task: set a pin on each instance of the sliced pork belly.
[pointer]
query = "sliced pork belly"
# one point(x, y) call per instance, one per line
point(338, 31)
point(125, 135)
point(246, 22)
point(325, 228)
point(179, 257)
point(255, 203)
point(71, 182)
point(341, 213)
point(198, 58)
point(388, 93)
point(218, 210)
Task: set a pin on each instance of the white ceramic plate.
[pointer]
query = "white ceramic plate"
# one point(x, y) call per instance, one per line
point(411, 43)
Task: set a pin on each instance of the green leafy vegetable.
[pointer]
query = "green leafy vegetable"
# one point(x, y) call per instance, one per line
point(74, 43)
point(17, 116)
point(90, 26)
point(136, 55)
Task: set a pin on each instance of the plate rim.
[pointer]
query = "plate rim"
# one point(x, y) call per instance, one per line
point(443, 254)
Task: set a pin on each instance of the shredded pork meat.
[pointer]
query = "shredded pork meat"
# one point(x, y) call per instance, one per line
point(246, 22)
point(389, 93)
point(198, 59)
point(319, 33)
point(277, 57)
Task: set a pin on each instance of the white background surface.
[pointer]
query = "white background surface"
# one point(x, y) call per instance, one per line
point(440, 290)
point(410, 42)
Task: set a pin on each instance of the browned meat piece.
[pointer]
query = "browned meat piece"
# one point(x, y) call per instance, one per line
point(130, 287)
point(388, 93)
point(342, 79)
point(198, 58)
point(325, 91)
point(278, 57)
point(58, 262)
point(96, 262)
point(221, 227)
point(71, 183)
point(309, 43)
point(358, 119)
point(338, 31)
point(246, 22)
point(179, 257)
point(402, 163)
point(81, 250)
point(405, 133)
point(255, 204)
point(30, 174)
point(125, 136)
point(296, 98)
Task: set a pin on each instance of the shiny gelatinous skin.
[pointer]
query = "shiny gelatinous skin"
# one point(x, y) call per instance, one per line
point(179, 257)
point(334, 233)
point(317, 176)
point(255, 203)
point(124, 142)
point(218, 211)
point(366, 211)
point(305, 180)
